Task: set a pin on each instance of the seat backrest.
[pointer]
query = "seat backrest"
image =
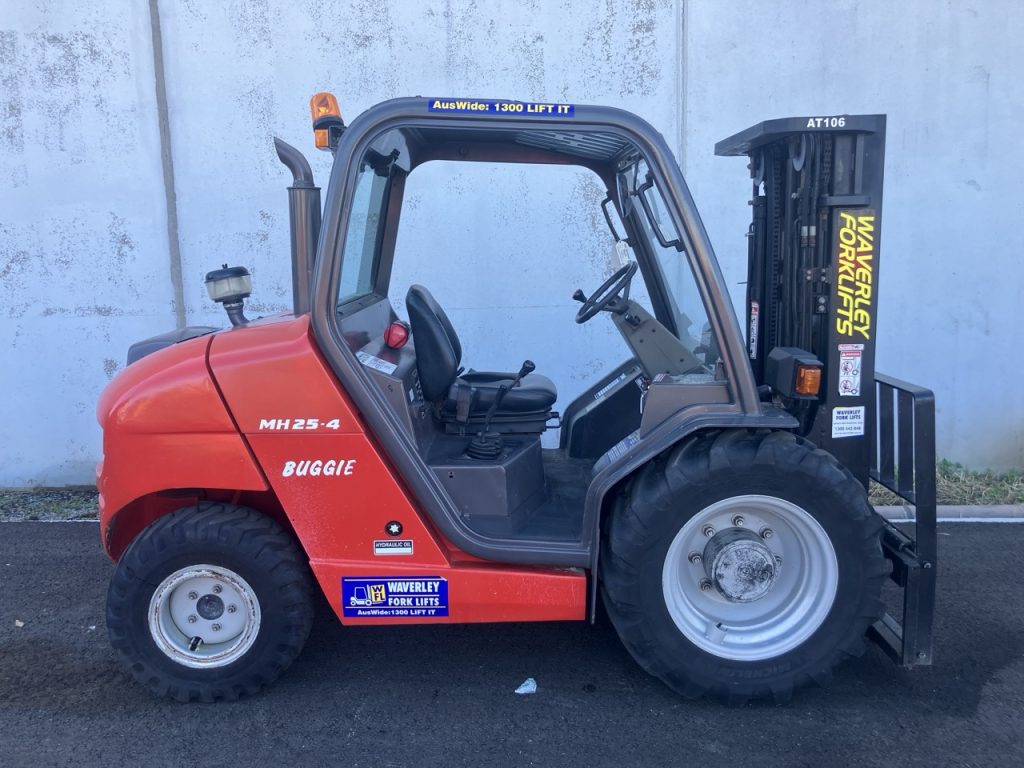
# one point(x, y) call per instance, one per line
point(438, 351)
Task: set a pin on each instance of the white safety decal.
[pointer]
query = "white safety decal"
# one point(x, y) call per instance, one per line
point(376, 363)
point(849, 369)
point(755, 325)
point(609, 386)
point(848, 422)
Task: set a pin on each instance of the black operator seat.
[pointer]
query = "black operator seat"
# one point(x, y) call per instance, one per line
point(438, 357)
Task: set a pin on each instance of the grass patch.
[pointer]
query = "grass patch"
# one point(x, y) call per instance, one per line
point(955, 485)
point(48, 504)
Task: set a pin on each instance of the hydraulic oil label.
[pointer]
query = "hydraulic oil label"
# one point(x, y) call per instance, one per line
point(392, 547)
point(371, 597)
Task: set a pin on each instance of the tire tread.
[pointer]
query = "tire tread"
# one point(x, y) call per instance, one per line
point(216, 527)
point(659, 485)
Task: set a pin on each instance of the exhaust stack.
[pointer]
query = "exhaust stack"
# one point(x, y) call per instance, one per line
point(304, 218)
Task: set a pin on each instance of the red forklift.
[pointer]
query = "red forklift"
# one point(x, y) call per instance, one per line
point(712, 489)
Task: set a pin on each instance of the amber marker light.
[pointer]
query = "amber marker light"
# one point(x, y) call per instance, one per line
point(324, 110)
point(808, 379)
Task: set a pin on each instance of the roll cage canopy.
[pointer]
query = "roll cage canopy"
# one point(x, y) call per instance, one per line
point(411, 131)
point(394, 137)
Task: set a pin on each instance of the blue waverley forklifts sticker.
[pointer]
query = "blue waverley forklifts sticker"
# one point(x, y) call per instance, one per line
point(368, 597)
point(501, 107)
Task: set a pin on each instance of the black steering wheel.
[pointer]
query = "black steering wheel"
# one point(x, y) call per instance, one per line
point(604, 296)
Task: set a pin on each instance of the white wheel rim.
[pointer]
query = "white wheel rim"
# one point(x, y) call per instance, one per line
point(786, 614)
point(208, 602)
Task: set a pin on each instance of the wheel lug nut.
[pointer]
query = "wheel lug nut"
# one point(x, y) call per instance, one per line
point(709, 531)
point(705, 585)
point(232, 608)
point(738, 520)
point(778, 559)
point(767, 533)
point(215, 627)
point(217, 589)
point(695, 558)
point(193, 619)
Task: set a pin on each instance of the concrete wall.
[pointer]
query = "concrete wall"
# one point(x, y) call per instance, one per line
point(948, 76)
point(87, 267)
point(83, 236)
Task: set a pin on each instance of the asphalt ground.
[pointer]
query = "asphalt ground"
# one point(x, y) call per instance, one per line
point(443, 695)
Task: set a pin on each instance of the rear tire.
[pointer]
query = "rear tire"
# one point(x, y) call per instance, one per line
point(743, 565)
point(211, 602)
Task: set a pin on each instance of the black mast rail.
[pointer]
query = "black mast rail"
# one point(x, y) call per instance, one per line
point(812, 284)
point(813, 251)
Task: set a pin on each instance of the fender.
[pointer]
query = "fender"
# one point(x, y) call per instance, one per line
point(165, 427)
point(668, 434)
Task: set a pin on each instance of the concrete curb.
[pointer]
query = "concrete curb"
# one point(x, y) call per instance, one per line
point(1000, 513)
point(956, 514)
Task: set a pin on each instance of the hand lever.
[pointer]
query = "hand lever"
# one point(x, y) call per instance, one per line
point(527, 368)
point(487, 445)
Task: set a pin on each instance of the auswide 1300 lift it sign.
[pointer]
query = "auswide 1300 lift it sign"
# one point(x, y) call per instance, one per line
point(711, 488)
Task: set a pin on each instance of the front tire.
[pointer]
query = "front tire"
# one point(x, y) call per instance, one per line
point(211, 602)
point(743, 565)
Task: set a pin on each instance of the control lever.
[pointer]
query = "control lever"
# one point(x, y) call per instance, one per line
point(487, 445)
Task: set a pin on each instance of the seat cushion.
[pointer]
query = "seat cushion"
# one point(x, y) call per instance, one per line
point(534, 393)
point(487, 377)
